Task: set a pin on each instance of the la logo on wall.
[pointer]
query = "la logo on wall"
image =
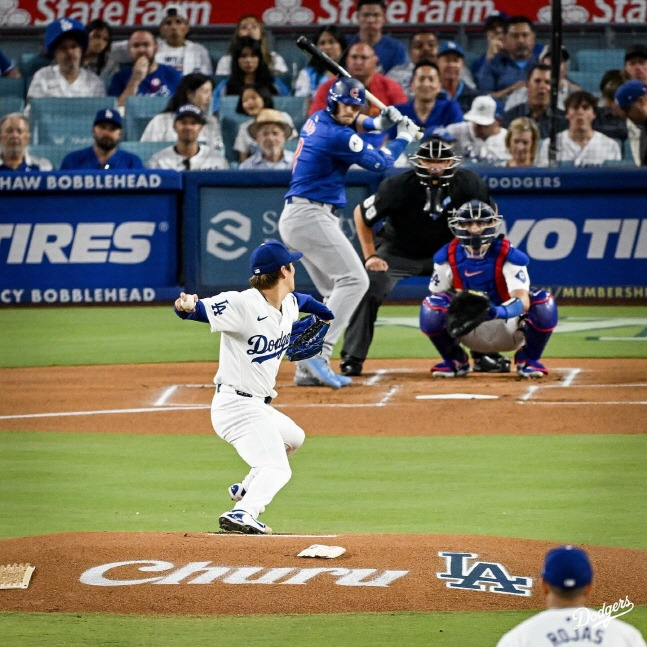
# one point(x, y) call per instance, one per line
point(490, 577)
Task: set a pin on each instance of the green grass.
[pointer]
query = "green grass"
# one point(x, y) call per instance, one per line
point(124, 335)
point(481, 629)
point(564, 488)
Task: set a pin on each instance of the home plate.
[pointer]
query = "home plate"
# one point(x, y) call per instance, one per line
point(457, 396)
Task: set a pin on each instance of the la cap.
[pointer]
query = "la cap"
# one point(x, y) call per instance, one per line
point(108, 115)
point(546, 52)
point(450, 47)
point(484, 111)
point(271, 256)
point(636, 51)
point(270, 116)
point(188, 109)
point(495, 17)
point(567, 567)
point(64, 28)
point(630, 92)
point(172, 11)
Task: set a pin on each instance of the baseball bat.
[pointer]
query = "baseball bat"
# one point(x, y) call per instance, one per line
point(334, 67)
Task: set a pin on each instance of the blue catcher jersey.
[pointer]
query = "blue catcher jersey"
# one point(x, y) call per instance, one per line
point(325, 152)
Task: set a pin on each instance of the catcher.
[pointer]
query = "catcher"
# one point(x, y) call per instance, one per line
point(493, 309)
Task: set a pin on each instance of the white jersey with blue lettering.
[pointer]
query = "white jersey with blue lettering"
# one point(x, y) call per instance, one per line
point(255, 338)
point(572, 626)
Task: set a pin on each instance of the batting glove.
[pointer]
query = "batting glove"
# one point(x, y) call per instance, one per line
point(389, 116)
point(407, 130)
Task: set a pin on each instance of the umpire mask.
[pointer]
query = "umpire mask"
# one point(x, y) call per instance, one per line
point(435, 162)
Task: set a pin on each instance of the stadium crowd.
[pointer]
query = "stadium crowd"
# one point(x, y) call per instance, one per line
point(200, 113)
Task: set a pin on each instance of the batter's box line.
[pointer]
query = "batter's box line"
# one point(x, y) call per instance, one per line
point(163, 400)
point(571, 374)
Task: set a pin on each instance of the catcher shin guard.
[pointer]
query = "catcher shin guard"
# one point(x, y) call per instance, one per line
point(433, 312)
point(542, 319)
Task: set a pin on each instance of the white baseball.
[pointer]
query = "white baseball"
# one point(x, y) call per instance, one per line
point(188, 303)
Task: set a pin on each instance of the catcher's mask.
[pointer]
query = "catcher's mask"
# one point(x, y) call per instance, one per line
point(345, 90)
point(437, 150)
point(475, 224)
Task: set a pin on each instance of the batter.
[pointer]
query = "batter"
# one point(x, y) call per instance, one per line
point(255, 327)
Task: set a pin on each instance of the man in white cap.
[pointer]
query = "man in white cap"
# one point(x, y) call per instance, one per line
point(174, 49)
point(566, 581)
point(271, 130)
point(188, 154)
point(480, 138)
point(65, 42)
point(631, 100)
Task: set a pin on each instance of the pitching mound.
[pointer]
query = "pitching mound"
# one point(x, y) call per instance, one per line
point(202, 573)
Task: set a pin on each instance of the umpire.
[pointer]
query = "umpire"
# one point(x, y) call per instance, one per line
point(411, 212)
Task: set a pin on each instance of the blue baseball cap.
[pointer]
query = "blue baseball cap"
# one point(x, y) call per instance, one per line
point(567, 567)
point(64, 28)
point(271, 256)
point(450, 47)
point(189, 110)
point(629, 92)
point(108, 115)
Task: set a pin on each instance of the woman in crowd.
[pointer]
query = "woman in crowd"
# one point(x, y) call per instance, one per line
point(248, 66)
point(195, 88)
point(331, 41)
point(251, 101)
point(250, 26)
point(522, 141)
point(97, 56)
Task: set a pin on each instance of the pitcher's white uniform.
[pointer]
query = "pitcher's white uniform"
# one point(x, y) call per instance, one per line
point(558, 627)
point(255, 337)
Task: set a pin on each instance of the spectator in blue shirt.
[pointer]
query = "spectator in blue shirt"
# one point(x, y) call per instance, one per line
point(8, 68)
point(371, 16)
point(430, 107)
point(508, 70)
point(146, 77)
point(103, 154)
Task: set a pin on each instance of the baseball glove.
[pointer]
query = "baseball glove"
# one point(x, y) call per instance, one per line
point(467, 310)
point(306, 338)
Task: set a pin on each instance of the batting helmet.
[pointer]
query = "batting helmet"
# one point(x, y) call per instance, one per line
point(435, 149)
point(349, 91)
point(476, 243)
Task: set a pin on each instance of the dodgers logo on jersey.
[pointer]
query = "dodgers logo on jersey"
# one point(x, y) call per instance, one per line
point(482, 576)
point(219, 308)
point(260, 344)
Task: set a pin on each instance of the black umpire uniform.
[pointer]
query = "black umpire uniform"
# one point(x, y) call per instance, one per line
point(410, 211)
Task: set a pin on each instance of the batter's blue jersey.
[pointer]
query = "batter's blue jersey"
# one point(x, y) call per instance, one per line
point(87, 159)
point(481, 274)
point(325, 152)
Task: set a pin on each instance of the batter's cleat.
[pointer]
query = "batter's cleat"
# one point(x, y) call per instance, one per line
point(318, 373)
point(351, 367)
point(531, 368)
point(241, 521)
point(236, 492)
point(344, 380)
point(490, 363)
point(451, 368)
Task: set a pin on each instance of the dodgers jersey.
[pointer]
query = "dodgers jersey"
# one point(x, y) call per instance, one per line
point(501, 271)
point(325, 152)
point(560, 627)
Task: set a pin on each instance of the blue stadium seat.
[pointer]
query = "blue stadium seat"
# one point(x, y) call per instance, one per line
point(139, 111)
point(229, 124)
point(589, 81)
point(600, 60)
point(144, 150)
point(53, 152)
point(11, 104)
point(12, 87)
point(228, 104)
point(29, 64)
point(65, 121)
point(296, 107)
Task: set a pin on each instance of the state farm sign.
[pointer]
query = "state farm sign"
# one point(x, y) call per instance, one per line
point(21, 13)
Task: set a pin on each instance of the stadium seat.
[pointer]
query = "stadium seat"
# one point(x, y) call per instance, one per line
point(229, 124)
point(139, 111)
point(589, 81)
point(296, 107)
point(599, 60)
point(29, 64)
point(65, 121)
point(53, 152)
point(12, 87)
point(228, 104)
point(11, 104)
point(144, 150)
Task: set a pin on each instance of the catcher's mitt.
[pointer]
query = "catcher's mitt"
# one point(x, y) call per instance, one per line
point(467, 310)
point(306, 338)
